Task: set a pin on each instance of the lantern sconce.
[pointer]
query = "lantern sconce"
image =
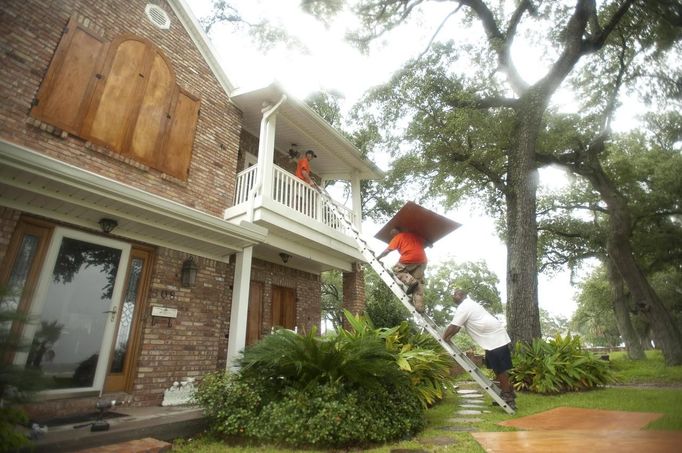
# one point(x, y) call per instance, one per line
point(189, 272)
point(285, 257)
point(107, 225)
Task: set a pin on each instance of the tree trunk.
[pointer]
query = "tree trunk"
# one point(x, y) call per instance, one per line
point(620, 308)
point(619, 248)
point(523, 313)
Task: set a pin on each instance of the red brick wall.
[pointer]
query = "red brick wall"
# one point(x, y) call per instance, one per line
point(354, 290)
point(31, 30)
point(193, 343)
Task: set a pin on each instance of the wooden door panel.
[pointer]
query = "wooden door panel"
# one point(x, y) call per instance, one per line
point(284, 307)
point(254, 324)
point(116, 97)
point(154, 112)
point(67, 88)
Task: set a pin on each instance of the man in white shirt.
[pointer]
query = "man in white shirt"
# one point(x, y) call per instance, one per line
point(490, 334)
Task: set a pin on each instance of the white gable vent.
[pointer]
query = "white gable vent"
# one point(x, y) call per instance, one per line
point(157, 16)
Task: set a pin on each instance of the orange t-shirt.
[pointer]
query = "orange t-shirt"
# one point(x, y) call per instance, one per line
point(303, 164)
point(410, 246)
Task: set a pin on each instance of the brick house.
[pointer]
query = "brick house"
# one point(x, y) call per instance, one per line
point(150, 221)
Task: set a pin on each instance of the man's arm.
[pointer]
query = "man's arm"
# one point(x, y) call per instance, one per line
point(450, 332)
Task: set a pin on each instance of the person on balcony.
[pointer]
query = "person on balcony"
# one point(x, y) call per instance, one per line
point(303, 167)
point(490, 334)
point(412, 263)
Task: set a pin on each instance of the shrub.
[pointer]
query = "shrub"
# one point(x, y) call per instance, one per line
point(333, 415)
point(557, 365)
point(419, 355)
point(231, 401)
point(337, 390)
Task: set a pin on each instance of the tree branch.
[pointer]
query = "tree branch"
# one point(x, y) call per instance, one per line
point(500, 43)
point(440, 27)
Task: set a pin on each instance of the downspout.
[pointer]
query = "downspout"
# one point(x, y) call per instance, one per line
point(267, 113)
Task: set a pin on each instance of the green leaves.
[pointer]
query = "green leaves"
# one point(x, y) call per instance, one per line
point(557, 365)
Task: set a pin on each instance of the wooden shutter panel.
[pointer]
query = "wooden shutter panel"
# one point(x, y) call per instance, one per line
point(176, 153)
point(152, 118)
point(117, 95)
point(65, 92)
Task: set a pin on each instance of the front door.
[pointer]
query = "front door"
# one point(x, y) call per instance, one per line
point(284, 307)
point(75, 309)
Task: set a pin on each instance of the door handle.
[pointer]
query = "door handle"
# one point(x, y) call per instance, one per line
point(113, 312)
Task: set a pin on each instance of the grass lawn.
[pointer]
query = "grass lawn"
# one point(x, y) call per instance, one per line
point(661, 391)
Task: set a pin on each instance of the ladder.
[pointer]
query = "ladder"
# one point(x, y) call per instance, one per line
point(422, 320)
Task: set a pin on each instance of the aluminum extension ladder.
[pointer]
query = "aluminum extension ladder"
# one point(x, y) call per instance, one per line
point(422, 320)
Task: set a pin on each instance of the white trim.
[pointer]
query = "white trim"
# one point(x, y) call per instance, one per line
point(24, 159)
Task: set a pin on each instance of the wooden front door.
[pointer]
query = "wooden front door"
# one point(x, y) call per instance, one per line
point(254, 323)
point(125, 346)
point(284, 307)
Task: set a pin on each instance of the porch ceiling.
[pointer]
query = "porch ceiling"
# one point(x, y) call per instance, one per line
point(337, 158)
point(40, 185)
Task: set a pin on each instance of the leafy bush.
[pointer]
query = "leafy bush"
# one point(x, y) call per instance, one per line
point(557, 365)
point(343, 389)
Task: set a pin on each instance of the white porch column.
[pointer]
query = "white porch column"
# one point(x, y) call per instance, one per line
point(240, 305)
point(266, 147)
point(357, 204)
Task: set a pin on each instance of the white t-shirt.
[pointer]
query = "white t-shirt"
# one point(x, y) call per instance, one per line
point(484, 328)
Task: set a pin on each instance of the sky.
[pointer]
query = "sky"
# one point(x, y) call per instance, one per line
point(332, 64)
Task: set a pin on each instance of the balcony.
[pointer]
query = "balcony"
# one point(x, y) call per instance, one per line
point(295, 194)
point(300, 221)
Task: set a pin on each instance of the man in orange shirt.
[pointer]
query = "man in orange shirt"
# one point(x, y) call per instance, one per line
point(412, 264)
point(303, 167)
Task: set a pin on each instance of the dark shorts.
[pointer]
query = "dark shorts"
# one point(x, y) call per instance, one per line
point(499, 359)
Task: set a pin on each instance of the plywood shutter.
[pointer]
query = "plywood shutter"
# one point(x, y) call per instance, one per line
point(66, 90)
point(153, 114)
point(116, 98)
point(177, 150)
point(121, 95)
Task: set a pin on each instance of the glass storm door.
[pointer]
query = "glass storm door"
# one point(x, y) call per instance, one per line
point(75, 310)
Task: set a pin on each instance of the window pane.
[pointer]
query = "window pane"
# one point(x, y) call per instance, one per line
point(17, 279)
point(126, 321)
point(69, 335)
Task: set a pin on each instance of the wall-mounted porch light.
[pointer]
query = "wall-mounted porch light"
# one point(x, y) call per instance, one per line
point(189, 272)
point(285, 257)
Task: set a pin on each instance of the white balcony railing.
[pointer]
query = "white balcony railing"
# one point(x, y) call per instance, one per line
point(295, 194)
